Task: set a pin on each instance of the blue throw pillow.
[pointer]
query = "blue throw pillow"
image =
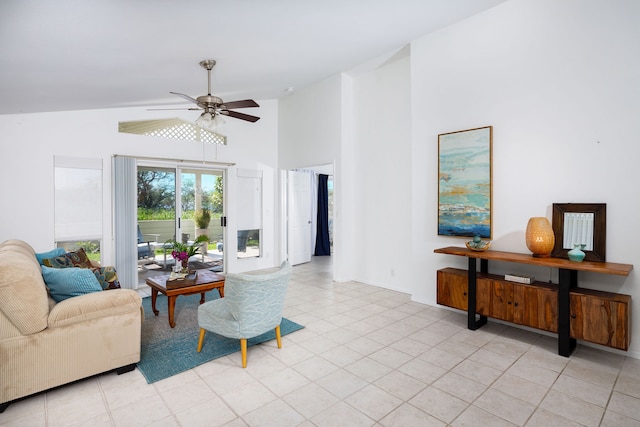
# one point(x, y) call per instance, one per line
point(65, 283)
point(51, 254)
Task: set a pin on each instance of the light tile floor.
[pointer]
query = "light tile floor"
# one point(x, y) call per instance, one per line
point(367, 357)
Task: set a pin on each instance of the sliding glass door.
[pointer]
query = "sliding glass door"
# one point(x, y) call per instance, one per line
point(202, 209)
point(178, 203)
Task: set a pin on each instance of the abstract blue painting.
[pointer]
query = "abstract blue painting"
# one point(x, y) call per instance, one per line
point(464, 183)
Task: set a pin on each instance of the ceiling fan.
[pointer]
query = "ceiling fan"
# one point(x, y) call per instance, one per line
point(214, 107)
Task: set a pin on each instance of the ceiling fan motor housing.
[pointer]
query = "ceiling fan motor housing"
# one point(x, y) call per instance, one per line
point(208, 64)
point(209, 101)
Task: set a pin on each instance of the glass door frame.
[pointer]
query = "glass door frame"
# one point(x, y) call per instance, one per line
point(178, 168)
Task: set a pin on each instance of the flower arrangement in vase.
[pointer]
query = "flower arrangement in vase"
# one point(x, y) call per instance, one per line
point(183, 251)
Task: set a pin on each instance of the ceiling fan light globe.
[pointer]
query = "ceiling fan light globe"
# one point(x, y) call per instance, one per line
point(210, 121)
point(218, 120)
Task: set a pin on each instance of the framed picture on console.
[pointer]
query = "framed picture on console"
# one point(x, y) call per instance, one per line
point(580, 224)
point(464, 183)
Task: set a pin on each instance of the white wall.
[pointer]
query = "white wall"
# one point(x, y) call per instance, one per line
point(382, 201)
point(29, 142)
point(309, 125)
point(558, 81)
point(312, 132)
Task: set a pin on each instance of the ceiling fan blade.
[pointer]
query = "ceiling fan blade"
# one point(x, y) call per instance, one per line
point(165, 109)
point(187, 97)
point(245, 103)
point(240, 116)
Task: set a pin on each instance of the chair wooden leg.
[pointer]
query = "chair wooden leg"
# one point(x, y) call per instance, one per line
point(243, 350)
point(278, 337)
point(201, 339)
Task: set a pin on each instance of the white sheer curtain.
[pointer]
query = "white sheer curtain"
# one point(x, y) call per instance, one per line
point(125, 218)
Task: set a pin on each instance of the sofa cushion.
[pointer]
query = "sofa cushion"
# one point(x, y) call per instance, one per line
point(86, 308)
point(23, 296)
point(49, 254)
point(65, 283)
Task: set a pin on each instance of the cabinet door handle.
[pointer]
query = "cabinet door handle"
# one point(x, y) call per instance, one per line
point(573, 316)
point(515, 303)
point(464, 293)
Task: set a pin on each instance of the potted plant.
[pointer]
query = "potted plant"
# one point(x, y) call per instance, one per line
point(202, 219)
point(181, 252)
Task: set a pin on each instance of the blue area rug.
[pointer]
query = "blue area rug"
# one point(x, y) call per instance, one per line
point(166, 351)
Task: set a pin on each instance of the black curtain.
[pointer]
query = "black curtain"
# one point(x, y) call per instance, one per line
point(322, 235)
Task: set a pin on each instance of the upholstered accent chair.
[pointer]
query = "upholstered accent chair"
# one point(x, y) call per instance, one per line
point(252, 305)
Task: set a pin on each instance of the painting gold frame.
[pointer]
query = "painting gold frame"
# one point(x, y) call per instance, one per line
point(465, 190)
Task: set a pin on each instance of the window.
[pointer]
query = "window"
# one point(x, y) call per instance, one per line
point(249, 213)
point(78, 204)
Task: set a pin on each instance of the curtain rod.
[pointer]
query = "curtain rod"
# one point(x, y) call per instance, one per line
point(191, 162)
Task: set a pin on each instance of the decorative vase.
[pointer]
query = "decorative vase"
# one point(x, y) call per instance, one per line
point(185, 265)
point(576, 254)
point(539, 237)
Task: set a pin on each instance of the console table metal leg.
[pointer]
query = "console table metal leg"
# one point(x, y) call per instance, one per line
point(472, 322)
point(568, 279)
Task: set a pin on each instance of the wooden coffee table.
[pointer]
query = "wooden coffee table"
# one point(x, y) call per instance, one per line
point(206, 281)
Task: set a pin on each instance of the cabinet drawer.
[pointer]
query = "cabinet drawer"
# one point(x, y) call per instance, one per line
point(534, 305)
point(452, 288)
point(600, 317)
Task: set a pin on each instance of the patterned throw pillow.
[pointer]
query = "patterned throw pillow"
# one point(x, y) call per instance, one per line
point(49, 254)
point(61, 261)
point(79, 258)
point(107, 277)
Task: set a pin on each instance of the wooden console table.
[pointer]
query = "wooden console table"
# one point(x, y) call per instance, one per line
point(568, 296)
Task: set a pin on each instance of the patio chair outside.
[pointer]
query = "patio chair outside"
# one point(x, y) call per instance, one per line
point(145, 248)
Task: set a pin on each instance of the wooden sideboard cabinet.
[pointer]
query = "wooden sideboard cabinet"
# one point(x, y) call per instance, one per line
point(564, 308)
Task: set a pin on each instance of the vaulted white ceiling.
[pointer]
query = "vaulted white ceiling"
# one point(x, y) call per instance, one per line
point(80, 54)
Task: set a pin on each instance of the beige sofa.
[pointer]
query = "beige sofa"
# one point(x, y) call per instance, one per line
point(44, 344)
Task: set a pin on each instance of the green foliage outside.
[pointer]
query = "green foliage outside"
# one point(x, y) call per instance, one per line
point(216, 197)
point(146, 214)
point(156, 196)
point(91, 248)
point(151, 215)
point(202, 218)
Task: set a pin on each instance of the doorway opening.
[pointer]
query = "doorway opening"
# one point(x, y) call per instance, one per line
point(310, 220)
